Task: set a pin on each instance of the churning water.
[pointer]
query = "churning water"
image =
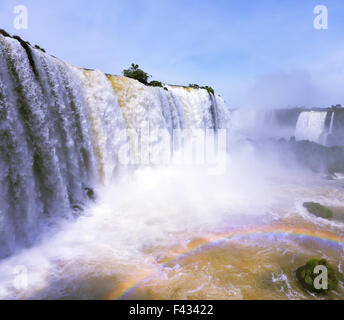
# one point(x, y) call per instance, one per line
point(162, 232)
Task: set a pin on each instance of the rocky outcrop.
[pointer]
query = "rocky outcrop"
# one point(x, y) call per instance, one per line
point(306, 276)
point(318, 210)
point(316, 157)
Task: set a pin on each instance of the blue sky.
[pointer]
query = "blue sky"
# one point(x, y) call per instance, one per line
point(253, 52)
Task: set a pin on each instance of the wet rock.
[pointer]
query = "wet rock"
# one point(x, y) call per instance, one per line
point(318, 210)
point(77, 208)
point(316, 157)
point(90, 194)
point(331, 175)
point(306, 276)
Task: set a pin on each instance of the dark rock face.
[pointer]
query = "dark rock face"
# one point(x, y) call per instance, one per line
point(90, 194)
point(306, 276)
point(316, 157)
point(336, 137)
point(318, 210)
point(287, 117)
point(78, 208)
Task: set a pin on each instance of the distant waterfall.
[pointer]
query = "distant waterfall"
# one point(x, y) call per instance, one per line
point(331, 123)
point(60, 134)
point(311, 126)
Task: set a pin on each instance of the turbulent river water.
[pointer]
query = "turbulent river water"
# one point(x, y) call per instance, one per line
point(153, 232)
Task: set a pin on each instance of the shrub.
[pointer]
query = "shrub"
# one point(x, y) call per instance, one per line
point(209, 89)
point(156, 84)
point(305, 275)
point(134, 72)
point(196, 86)
point(39, 48)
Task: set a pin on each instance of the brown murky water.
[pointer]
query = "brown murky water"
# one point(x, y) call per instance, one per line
point(258, 262)
point(262, 267)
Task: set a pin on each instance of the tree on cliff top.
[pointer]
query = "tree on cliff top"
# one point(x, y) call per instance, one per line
point(136, 73)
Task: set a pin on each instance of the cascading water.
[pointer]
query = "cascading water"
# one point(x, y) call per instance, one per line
point(46, 156)
point(61, 131)
point(264, 124)
point(331, 123)
point(311, 126)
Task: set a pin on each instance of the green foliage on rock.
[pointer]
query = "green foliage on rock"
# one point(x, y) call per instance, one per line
point(318, 210)
point(39, 48)
point(4, 33)
point(25, 44)
point(155, 83)
point(134, 72)
point(209, 89)
point(306, 276)
point(196, 86)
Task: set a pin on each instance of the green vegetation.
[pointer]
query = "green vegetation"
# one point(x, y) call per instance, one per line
point(318, 210)
point(39, 48)
point(306, 276)
point(4, 33)
point(156, 84)
point(25, 44)
point(134, 72)
point(209, 89)
point(22, 42)
point(27, 47)
point(196, 86)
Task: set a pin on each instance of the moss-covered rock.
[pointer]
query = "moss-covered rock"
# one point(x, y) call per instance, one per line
point(39, 48)
point(209, 89)
point(318, 210)
point(90, 194)
point(4, 33)
point(306, 276)
point(194, 86)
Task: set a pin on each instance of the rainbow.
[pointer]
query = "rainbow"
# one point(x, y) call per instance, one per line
point(196, 244)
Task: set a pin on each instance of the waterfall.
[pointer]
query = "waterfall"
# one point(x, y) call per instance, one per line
point(61, 131)
point(331, 123)
point(46, 157)
point(311, 126)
